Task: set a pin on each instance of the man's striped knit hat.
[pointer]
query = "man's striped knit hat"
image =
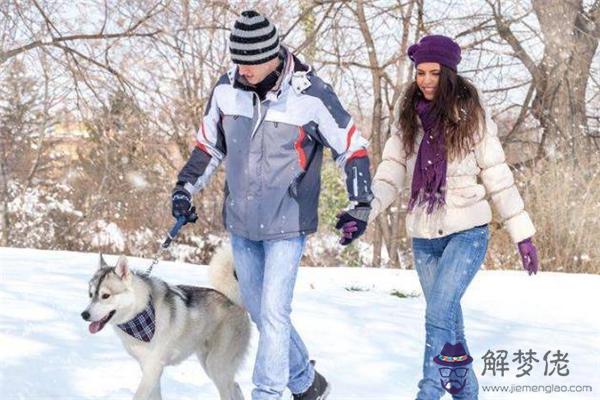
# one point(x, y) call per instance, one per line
point(253, 39)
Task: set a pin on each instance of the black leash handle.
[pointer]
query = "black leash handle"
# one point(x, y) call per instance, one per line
point(174, 231)
point(181, 221)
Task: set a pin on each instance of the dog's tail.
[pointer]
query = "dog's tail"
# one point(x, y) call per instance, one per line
point(222, 274)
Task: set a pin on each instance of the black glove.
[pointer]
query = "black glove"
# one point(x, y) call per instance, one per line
point(353, 223)
point(181, 205)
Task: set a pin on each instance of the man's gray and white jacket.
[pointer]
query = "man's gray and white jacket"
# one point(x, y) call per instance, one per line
point(273, 149)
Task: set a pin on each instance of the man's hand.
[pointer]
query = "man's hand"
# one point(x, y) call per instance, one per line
point(181, 205)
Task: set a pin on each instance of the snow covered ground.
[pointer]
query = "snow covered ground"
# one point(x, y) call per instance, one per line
point(367, 342)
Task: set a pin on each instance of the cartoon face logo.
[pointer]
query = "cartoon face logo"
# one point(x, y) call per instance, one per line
point(453, 380)
point(454, 366)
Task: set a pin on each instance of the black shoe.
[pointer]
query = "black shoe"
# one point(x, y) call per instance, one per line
point(319, 390)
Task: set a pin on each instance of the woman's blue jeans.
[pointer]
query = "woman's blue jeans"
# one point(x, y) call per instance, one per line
point(446, 266)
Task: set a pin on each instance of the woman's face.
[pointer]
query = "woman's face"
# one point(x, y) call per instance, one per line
point(428, 78)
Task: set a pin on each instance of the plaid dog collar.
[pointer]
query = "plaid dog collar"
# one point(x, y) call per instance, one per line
point(142, 326)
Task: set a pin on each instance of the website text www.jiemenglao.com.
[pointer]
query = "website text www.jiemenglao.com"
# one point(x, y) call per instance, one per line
point(547, 389)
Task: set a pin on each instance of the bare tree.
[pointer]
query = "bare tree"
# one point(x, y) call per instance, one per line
point(388, 73)
point(23, 121)
point(560, 78)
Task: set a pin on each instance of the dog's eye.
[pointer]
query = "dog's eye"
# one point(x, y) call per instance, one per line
point(90, 295)
point(105, 296)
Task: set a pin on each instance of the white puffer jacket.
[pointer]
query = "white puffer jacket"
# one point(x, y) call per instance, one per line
point(467, 203)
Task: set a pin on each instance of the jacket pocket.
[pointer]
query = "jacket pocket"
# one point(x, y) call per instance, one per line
point(465, 197)
point(294, 185)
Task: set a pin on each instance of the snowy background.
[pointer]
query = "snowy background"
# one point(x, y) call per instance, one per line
point(367, 342)
point(99, 105)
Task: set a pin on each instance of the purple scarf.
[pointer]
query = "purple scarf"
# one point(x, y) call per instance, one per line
point(429, 176)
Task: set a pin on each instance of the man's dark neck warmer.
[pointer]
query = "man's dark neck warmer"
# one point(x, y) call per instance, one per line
point(269, 82)
point(263, 87)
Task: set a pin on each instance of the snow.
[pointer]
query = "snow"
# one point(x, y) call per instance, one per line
point(107, 234)
point(367, 342)
point(137, 180)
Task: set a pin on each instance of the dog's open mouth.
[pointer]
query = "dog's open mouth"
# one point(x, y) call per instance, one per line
point(97, 326)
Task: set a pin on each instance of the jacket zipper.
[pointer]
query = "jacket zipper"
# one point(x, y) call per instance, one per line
point(259, 118)
point(355, 181)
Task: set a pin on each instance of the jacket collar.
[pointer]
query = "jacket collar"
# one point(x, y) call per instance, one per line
point(294, 74)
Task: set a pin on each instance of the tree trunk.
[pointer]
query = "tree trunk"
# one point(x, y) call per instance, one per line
point(559, 103)
point(5, 239)
point(404, 68)
point(560, 79)
point(377, 114)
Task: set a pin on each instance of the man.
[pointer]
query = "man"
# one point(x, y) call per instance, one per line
point(269, 119)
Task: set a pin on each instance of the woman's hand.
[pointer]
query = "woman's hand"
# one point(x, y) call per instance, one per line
point(353, 223)
point(529, 256)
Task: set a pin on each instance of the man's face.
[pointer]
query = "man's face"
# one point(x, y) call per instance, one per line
point(256, 73)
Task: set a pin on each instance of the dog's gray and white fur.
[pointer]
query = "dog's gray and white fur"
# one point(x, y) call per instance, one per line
point(189, 320)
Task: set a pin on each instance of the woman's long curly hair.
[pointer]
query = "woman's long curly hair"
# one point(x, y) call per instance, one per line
point(457, 108)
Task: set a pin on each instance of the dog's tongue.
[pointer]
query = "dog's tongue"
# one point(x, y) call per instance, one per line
point(95, 326)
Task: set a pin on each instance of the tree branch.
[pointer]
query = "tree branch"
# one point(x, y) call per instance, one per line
point(130, 32)
point(503, 27)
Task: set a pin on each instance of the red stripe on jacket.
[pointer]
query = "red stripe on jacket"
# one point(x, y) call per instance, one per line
point(299, 149)
point(349, 136)
point(199, 144)
point(358, 154)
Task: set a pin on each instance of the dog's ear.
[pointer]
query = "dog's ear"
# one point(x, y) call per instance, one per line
point(102, 263)
point(122, 269)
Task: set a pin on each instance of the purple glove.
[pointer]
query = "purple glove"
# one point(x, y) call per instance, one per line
point(348, 230)
point(353, 223)
point(528, 256)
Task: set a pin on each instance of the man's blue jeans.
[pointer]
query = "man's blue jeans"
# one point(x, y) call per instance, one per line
point(266, 271)
point(445, 267)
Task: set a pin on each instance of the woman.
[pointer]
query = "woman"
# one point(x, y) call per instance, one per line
point(446, 142)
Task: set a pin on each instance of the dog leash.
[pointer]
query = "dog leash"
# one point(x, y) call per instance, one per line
point(181, 221)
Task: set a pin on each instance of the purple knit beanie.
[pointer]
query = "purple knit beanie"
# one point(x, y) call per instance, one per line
point(435, 48)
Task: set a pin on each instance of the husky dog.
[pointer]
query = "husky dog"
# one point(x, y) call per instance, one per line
point(160, 324)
